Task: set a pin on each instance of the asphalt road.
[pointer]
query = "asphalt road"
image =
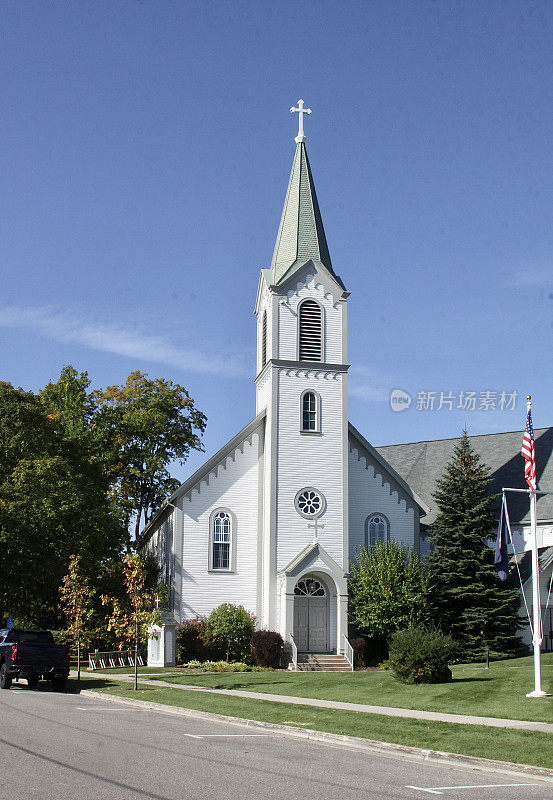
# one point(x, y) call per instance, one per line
point(65, 746)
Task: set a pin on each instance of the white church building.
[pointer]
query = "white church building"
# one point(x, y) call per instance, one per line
point(272, 520)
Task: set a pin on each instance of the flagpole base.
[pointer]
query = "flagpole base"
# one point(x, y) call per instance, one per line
point(538, 694)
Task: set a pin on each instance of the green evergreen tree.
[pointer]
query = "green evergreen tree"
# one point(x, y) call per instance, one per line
point(467, 598)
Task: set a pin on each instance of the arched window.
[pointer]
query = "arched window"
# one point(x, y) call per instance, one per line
point(220, 549)
point(264, 340)
point(310, 412)
point(378, 529)
point(310, 331)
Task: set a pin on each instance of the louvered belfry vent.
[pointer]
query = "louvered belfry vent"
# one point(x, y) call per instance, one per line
point(311, 331)
point(264, 340)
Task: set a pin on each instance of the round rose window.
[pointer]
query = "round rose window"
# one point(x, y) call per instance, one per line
point(310, 503)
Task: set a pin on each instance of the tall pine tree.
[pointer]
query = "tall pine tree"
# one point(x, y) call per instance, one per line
point(468, 600)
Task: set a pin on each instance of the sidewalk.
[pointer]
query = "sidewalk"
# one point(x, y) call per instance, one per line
point(408, 713)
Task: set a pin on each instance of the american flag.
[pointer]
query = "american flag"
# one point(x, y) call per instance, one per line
point(529, 454)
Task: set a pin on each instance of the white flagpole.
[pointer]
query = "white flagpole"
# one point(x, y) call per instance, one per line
point(536, 601)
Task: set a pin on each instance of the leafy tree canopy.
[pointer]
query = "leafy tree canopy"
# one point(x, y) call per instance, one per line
point(388, 588)
point(150, 423)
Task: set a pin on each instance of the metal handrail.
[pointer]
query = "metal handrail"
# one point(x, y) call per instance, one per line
point(113, 659)
point(294, 649)
point(348, 652)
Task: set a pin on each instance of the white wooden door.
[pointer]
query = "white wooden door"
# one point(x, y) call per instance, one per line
point(301, 623)
point(311, 624)
point(318, 624)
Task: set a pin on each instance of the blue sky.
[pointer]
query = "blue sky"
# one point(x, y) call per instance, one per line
point(146, 148)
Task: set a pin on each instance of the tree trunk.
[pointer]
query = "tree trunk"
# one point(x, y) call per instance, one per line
point(79, 660)
point(137, 524)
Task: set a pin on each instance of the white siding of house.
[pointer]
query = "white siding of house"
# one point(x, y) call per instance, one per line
point(232, 485)
point(372, 491)
point(526, 634)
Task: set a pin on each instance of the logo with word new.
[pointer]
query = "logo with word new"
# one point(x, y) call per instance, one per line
point(399, 400)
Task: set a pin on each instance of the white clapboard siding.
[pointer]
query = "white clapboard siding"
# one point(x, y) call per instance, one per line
point(233, 486)
point(314, 460)
point(372, 491)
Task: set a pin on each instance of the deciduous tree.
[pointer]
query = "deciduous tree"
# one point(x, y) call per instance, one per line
point(130, 618)
point(388, 588)
point(76, 601)
point(150, 422)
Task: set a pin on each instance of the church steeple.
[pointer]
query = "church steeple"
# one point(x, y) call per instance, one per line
point(301, 235)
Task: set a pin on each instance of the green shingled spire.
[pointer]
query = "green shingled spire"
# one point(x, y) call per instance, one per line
point(301, 234)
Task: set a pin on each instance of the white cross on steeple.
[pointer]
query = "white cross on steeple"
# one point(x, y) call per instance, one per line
point(301, 111)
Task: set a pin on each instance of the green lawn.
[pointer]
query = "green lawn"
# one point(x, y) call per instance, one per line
point(495, 692)
point(523, 747)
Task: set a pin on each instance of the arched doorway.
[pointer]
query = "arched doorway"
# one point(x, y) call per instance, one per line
point(311, 615)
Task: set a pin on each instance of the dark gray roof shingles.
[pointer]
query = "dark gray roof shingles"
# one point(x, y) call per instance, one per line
point(421, 464)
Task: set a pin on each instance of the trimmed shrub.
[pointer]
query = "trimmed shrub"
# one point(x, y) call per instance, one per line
point(192, 641)
point(223, 666)
point(422, 655)
point(230, 629)
point(267, 649)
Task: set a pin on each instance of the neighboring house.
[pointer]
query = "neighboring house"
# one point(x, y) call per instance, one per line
point(272, 520)
point(421, 464)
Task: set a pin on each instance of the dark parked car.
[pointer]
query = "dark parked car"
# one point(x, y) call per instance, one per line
point(32, 655)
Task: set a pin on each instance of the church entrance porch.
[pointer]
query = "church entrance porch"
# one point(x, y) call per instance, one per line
point(311, 615)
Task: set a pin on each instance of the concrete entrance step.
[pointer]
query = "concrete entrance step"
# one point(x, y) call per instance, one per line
point(323, 662)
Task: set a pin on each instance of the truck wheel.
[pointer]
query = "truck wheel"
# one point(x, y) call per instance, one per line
point(58, 684)
point(5, 679)
point(32, 681)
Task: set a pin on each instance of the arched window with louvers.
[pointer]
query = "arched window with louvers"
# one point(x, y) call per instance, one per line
point(310, 331)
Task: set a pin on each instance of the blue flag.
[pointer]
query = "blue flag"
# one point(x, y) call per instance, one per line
point(501, 561)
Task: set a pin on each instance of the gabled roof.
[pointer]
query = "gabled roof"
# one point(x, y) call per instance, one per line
point(421, 464)
point(311, 552)
point(387, 467)
point(204, 470)
point(301, 235)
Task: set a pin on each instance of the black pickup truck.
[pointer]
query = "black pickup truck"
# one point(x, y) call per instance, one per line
point(32, 655)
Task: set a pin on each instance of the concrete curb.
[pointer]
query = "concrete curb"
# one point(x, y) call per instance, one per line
point(368, 745)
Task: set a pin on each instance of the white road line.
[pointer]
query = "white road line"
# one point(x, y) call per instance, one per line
point(102, 710)
point(225, 735)
point(442, 789)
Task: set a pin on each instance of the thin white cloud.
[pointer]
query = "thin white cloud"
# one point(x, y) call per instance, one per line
point(532, 276)
point(117, 338)
point(368, 386)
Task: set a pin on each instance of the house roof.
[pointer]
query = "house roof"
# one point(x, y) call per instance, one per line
point(301, 235)
point(421, 464)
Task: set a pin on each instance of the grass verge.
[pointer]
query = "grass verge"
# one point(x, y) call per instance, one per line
point(496, 692)
point(522, 747)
